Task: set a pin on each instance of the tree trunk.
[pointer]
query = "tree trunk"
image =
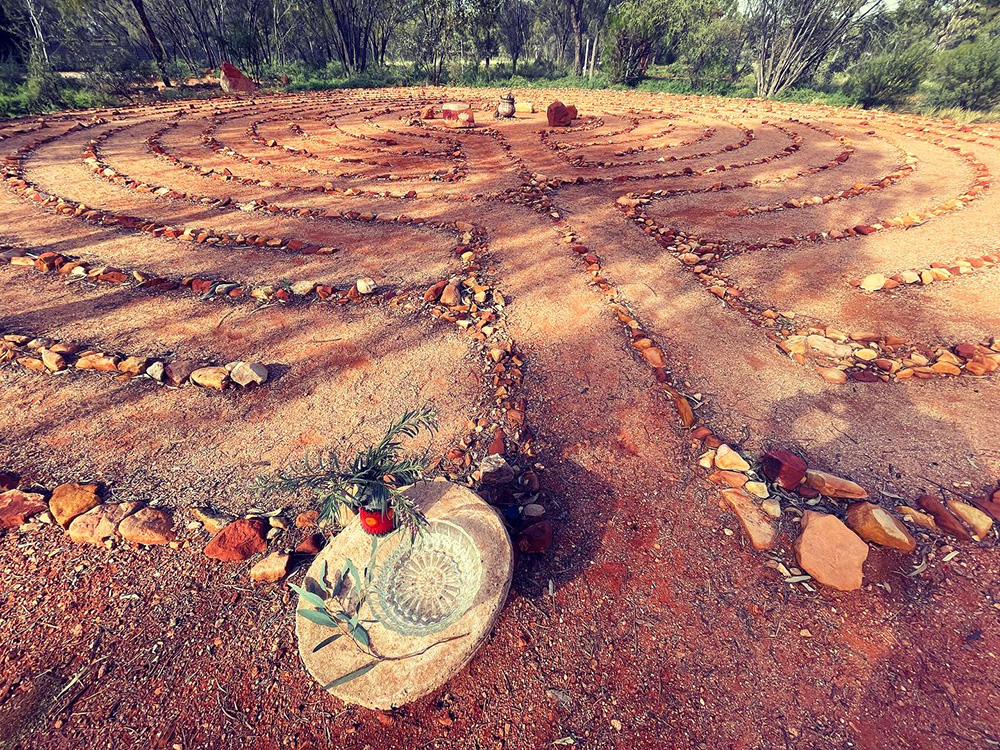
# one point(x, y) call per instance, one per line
point(158, 54)
point(576, 19)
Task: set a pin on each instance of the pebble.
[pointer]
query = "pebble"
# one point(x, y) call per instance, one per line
point(830, 552)
point(272, 568)
point(148, 526)
point(249, 373)
point(728, 459)
point(873, 524)
point(755, 522)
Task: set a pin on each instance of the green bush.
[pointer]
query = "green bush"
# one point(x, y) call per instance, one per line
point(118, 74)
point(889, 78)
point(968, 76)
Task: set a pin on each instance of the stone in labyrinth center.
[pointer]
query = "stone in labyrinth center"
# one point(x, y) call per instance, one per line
point(448, 650)
point(458, 115)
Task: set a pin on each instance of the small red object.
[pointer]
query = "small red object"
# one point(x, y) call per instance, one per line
point(376, 522)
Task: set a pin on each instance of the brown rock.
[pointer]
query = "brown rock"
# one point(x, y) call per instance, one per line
point(834, 486)
point(783, 468)
point(536, 538)
point(558, 115)
point(756, 523)
point(311, 545)
point(272, 568)
point(912, 515)
point(212, 521)
point(729, 460)
point(873, 524)
point(238, 541)
point(943, 517)
point(728, 478)
point(16, 507)
point(178, 371)
point(990, 507)
point(450, 295)
point(54, 362)
point(307, 519)
point(830, 552)
point(70, 500)
point(148, 526)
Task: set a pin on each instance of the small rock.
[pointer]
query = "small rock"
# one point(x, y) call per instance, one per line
point(100, 523)
point(532, 511)
point(450, 295)
point(70, 500)
point(210, 377)
point(307, 519)
point(249, 373)
point(495, 470)
point(755, 522)
point(943, 517)
point(873, 524)
point(311, 545)
point(830, 552)
point(913, 515)
point(272, 568)
point(757, 489)
point(214, 522)
point(16, 507)
point(148, 526)
point(536, 538)
point(239, 540)
point(728, 459)
point(365, 285)
point(975, 519)
point(772, 507)
point(53, 361)
point(834, 486)
point(178, 371)
point(157, 371)
point(784, 469)
point(873, 282)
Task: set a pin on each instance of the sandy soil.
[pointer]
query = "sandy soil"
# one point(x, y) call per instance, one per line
point(651, 622)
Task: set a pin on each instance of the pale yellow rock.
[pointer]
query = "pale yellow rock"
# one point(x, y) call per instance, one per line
point(728, 459)
point(912, 515)
point(910, 277)
point(975, 519)
point(757, 489)
point(866, 354)
point(707, 459)
point(873, 282)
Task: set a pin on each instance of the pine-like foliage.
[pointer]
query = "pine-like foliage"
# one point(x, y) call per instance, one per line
point(371, 479)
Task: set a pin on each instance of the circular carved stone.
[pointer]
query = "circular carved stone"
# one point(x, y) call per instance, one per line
point(450, 509)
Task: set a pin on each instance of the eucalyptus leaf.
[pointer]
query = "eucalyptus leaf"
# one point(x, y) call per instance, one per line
point(314, 599)
point(319, 617)
point(351, 675)
point(326, 641)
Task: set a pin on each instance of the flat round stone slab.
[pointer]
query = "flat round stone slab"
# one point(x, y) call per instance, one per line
point(444, 653)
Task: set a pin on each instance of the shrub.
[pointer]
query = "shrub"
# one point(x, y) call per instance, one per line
point(889, 78)
point(118, 73)
point(968, 76)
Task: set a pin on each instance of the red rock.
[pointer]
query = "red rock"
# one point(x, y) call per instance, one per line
point(990, 507)
point(238, 541)
point(943, 517)
point(148, 526)
point(830, 552)
point(784, 468)
point(311, 545)
point(571, 111)
point(434, 292)
point(16, 507)
point(233, 81)
point(497, 445)
point(536, 538)
point(427, 113)
point(558, 115)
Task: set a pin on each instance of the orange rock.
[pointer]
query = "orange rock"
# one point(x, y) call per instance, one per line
point(830, 552)
point(943, 517)
point(834, 486)
point(873, 524)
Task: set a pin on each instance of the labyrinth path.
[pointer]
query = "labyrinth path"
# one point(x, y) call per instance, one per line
point(666, 275)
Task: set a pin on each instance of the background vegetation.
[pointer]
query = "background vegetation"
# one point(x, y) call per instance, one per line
point(941, 56)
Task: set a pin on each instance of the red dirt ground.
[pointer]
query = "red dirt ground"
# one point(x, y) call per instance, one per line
point(651, 622)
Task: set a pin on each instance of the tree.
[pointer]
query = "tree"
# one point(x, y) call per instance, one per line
point(483, 16)
point(790, 37)
point(713, 48)
point(636, 28)
point(515, 21)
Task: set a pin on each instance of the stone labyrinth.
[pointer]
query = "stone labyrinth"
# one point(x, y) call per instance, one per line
point(780, 277)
